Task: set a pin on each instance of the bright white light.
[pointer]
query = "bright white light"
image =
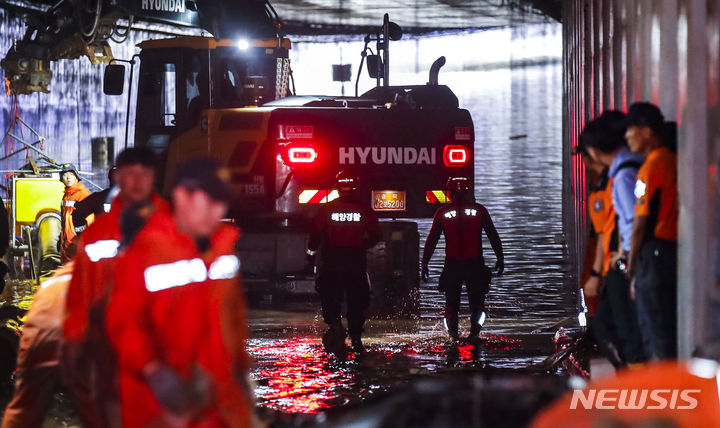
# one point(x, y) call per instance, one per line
point(242, 44)
point(582, 320)
point(481, 321)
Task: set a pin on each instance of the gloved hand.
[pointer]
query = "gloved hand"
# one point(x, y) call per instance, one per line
point(500, 267)
point(425, 272)
point(170, 391)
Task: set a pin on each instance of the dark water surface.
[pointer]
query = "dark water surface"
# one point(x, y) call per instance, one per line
point(518, 178)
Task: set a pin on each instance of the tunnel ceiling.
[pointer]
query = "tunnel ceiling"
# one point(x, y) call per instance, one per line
point(354, 16)
point(360, 16)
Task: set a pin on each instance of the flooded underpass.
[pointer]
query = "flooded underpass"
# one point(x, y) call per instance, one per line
point(517, 116)
point(516, 109)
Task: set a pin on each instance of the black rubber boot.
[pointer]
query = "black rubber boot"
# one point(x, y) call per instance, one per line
point(334, 338)
point(357, 344)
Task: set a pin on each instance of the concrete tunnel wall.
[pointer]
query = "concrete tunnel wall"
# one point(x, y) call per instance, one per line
point(617, 52)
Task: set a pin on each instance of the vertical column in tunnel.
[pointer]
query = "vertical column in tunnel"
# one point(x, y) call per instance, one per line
point(695, 270)
point(666, 52)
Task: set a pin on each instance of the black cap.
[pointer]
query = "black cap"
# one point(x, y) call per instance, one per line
point(645, 114)
point(580, 149)
point(206, 174)
point(136, 156)
point(605, 133)
point(68, 167)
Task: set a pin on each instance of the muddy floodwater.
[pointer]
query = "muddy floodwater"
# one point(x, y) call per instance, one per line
point(518, 178)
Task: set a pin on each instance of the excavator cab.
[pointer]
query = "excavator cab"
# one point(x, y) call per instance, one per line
point(182, 77)
point(186, 83)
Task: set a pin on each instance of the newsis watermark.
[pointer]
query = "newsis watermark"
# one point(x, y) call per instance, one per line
point(635, 399)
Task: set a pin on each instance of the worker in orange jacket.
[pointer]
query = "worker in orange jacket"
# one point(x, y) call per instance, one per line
point(75, 192)
point(601, 325)
point(38, 375)
point(87, 351)
point(178, 321)
point(652, 263)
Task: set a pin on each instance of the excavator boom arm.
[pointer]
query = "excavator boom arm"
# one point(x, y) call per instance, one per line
point(69, 29)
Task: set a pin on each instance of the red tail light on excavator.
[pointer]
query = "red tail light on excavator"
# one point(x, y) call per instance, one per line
point(300, 154)
point(455, 155)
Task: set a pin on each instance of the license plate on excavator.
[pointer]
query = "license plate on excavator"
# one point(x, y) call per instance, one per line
point(388, 200)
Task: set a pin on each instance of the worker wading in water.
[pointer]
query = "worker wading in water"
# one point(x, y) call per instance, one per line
point(75, 192)
point(342, 231)
point(462, 222)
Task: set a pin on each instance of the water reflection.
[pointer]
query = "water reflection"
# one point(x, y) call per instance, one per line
point(517, 118)
point(294, 374)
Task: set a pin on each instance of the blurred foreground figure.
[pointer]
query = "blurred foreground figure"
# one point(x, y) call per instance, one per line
point(38, 374)
point(87, 353)
point(177, 318)
point(462, 222)
point(343, 230)
point(682, 394)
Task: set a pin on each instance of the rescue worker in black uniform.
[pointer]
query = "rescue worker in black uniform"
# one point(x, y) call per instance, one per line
point(462, 222)
point(342, 231)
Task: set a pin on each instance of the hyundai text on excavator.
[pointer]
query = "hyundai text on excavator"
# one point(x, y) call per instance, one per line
point(229, 98)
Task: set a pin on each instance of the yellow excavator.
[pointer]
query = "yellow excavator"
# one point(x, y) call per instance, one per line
point(229, 97)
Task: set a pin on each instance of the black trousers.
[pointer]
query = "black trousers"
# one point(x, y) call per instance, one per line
point(616, 307)
point(603, 331)
point(354, 287)
point(656, 298)
point(476, 277)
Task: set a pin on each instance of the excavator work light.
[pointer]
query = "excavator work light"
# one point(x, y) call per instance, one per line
point(242, 44)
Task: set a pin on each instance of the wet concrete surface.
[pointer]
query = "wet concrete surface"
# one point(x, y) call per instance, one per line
point(518, 178)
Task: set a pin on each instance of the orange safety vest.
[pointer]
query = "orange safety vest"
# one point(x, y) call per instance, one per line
point(183, 309)
point(73, 194)
point(602, 216)
point(656, 194)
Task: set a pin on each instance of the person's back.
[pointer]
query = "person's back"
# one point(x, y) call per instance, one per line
point(462, 223)
point(343, 230)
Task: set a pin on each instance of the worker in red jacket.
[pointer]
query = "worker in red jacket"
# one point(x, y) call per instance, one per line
point(75, 192)
point(87, 353)
point(178, 321)
point(342, 231)
point(462, 222)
